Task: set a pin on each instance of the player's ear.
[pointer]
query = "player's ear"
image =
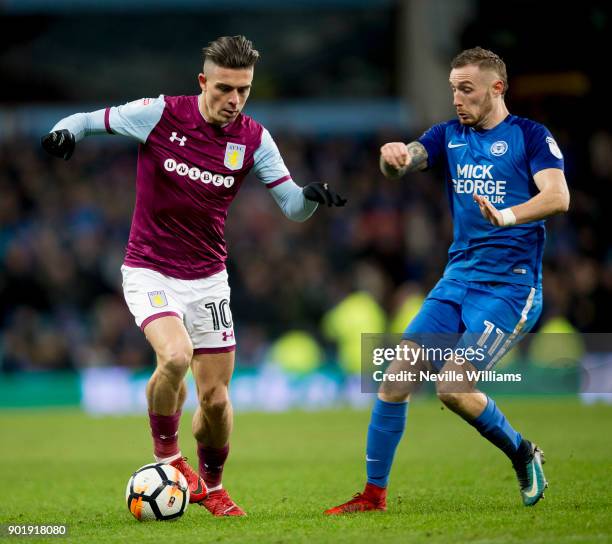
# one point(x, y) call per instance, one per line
point(202, 81)
point(498, 87)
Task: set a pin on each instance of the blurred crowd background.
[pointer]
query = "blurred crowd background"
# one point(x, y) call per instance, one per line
point(363, 268)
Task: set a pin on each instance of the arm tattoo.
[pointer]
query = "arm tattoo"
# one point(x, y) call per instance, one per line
point(417, 160)
point(418, 157)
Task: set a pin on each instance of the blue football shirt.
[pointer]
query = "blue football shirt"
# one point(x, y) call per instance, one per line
point(499, 164)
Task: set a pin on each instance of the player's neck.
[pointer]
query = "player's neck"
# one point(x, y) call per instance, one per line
point(497, 116)
point(204, 114)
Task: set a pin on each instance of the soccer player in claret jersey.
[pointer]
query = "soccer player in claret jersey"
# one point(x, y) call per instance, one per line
point(504, 176)
point(194, 153)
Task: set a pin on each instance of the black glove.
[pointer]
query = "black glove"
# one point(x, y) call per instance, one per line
point(59, 143)
point(321, 193)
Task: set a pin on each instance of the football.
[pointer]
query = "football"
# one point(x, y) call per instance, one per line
point(157, 492)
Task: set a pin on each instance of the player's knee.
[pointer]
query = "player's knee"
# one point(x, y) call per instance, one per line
point(214, 399)
point(174, 360)
point(450, 399)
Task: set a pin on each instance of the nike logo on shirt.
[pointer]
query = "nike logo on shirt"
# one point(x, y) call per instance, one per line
point(451, 145)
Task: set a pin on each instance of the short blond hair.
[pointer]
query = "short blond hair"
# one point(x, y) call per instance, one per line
point(484, 59)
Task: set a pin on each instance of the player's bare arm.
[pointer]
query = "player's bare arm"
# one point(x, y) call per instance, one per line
point(397, 158)
point(552, 199)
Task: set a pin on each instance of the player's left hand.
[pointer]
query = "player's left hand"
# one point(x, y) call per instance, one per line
point(59, 143)
point(488, 211)
point(321, 193)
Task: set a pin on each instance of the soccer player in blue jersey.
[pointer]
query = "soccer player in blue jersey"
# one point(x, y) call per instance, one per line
point(504, 177)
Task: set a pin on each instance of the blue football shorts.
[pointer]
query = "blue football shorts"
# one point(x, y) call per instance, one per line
point(484, 316)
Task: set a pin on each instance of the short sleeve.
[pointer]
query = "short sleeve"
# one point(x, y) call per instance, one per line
point(541, 148)
point(434, 140)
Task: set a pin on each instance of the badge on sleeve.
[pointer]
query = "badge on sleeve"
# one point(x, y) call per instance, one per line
point(554, 148)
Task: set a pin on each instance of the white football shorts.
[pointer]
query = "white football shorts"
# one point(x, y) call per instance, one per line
point(202, 305)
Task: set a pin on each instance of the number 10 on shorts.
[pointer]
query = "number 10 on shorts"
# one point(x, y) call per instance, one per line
point(220, 313)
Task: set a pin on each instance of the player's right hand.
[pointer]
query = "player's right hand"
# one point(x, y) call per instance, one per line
point(395, 154)
point(59, 143)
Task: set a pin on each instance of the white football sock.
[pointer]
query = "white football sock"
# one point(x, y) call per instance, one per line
point(168, 459)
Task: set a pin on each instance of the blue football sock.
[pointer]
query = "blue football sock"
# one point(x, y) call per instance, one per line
point(384, 433)
point(494, 426)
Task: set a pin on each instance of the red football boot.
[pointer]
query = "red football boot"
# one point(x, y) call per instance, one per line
point(219, 503)
point(372, 498)
point(197, 487)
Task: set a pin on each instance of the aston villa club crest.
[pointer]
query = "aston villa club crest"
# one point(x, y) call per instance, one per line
point(234, 156)
point(158, 299)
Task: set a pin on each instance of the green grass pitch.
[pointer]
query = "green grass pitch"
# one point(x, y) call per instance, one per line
point(447, 485)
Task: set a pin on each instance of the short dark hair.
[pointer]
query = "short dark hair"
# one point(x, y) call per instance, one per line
point(484, 59)
point(231, 52)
